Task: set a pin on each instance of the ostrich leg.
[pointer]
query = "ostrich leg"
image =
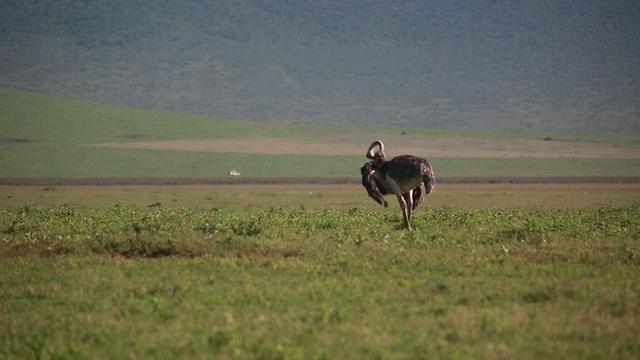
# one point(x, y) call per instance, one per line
point(405, 210)
point(408, 199)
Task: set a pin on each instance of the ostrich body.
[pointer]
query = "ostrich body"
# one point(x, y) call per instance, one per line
point(409, 177)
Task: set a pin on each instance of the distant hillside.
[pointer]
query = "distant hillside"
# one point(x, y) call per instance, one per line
point(539, 65)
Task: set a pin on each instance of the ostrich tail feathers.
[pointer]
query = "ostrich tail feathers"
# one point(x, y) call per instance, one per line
point(429, 180)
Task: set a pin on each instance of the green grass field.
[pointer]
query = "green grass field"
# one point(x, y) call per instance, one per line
point(319, 271)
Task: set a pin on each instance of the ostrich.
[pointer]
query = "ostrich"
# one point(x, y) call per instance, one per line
point(409, 177)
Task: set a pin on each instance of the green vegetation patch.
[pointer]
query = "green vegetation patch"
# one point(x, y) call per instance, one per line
point(51, 160)
point(292, 283)
point(33, 118)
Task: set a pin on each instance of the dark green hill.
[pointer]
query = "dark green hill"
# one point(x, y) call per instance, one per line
point(536, 65)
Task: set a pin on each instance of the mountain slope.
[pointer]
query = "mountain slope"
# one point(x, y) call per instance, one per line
point(549, 65)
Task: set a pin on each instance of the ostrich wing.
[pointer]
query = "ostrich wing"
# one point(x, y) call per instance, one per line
point(375, 189)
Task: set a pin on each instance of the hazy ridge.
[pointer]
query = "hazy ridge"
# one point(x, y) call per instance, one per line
point(539, 66)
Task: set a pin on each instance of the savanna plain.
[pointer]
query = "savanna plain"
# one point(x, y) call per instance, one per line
point(308, 271)
point(318, 272)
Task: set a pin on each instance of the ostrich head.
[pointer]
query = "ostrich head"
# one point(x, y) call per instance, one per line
point(379, 154)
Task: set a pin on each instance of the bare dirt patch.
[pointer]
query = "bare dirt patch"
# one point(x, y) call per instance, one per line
point(348, 144)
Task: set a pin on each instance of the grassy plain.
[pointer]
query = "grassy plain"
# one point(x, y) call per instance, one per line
point(308, 271)
point(47, 137)
point(490, 271)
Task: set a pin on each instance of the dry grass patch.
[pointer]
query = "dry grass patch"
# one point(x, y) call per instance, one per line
point(429, 146)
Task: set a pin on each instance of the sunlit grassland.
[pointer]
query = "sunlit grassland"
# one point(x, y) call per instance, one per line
point(316, 272)
point(302, 271)
point(50, 160)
